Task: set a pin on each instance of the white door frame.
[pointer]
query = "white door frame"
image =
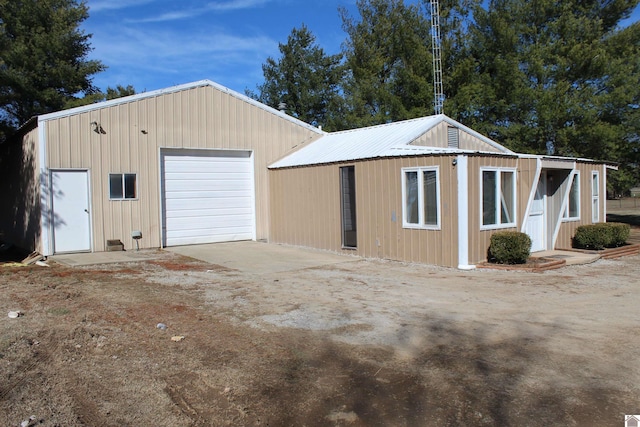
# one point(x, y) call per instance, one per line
point(87, 245)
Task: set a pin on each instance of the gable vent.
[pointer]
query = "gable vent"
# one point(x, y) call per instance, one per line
point(452, 137)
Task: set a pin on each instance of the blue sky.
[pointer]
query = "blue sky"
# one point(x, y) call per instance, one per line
point(153, 44)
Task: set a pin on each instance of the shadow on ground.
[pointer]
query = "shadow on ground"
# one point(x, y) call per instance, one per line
point(455, 377)
point(633, 220)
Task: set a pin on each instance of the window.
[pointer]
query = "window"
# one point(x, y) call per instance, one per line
point(572, 211)
point(348, 198)
point(421, 196)
point(122, 186)
point(498, 198)
point(595, 196)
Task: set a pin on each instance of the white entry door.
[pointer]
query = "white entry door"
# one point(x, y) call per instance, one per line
point(70, 215)
point(536, 222)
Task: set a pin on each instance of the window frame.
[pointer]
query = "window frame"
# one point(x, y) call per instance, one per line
point(123, 180)
point(348, 178)
point(421, 224)
point(595, 196)
point(499, 171)
point(566, 212)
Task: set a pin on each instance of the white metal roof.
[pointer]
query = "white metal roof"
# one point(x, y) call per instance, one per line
point(386, 140)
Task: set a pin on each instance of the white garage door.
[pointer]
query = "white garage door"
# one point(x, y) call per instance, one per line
point(208, 197)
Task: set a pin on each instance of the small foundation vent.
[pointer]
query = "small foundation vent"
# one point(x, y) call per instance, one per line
point(114, 245)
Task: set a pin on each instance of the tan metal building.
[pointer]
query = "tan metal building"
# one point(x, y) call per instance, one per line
point(428, 190)
point(178, 166)
point(199, 163)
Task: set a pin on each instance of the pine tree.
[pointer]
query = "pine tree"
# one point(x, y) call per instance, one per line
point(547, 74)
point(305, 81)
point(388, 56)
point(43, 58)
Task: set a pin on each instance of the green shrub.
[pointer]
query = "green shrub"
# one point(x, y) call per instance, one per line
point(509, 247)
point(620, 233)
point(602, 235)
point(592, 236)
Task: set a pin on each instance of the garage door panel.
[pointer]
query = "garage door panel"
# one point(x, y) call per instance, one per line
point(208, 184)
point(228, 165)
point(215, 174)
point(186, 226)
point(208, 197)
point(210, 233)
point(197, 240)
point(195, 197)
point(208, 204)
point(210, 222)
point(198, 213)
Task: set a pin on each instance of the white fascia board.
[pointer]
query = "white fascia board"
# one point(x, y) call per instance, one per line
point(172, 89)
point(46, 220)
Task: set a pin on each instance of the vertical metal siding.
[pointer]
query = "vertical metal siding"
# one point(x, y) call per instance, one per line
point(479, 240)
point(20, 191)
point(438, 137)
point(433, 138)
point(568, 228)
point(200, 117)
point(306, 210)
point(470, 142)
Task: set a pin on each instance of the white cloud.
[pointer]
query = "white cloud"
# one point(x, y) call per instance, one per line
point(139, 57)
point(236, 4)
point(100, 5)
point(198, 11)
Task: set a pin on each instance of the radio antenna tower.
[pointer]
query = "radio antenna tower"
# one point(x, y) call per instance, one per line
point(436, 43)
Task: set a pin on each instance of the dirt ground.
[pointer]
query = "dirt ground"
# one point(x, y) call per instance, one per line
point(363, 343)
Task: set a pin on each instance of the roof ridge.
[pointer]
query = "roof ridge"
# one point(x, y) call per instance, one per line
point(381, 125)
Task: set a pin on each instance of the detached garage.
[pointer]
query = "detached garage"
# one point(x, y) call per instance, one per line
point(180, 166)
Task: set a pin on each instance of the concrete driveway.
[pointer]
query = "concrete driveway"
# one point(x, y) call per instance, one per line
point(261, 258)
point(247, 257)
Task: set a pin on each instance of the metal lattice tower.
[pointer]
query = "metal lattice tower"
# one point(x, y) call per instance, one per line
point(438, 91)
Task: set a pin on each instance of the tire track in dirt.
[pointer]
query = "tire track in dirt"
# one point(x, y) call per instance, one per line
point(179, 399)
point(40, 356)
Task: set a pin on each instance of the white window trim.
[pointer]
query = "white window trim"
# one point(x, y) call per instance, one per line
point(595, 213)
point(497, 207)
point(421, 225)
point(123, 198)
point(565, 211)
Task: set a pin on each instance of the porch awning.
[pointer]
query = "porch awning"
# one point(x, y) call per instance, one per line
point(558, 164)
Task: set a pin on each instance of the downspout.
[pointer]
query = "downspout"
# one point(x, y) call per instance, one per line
point(462, 170)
